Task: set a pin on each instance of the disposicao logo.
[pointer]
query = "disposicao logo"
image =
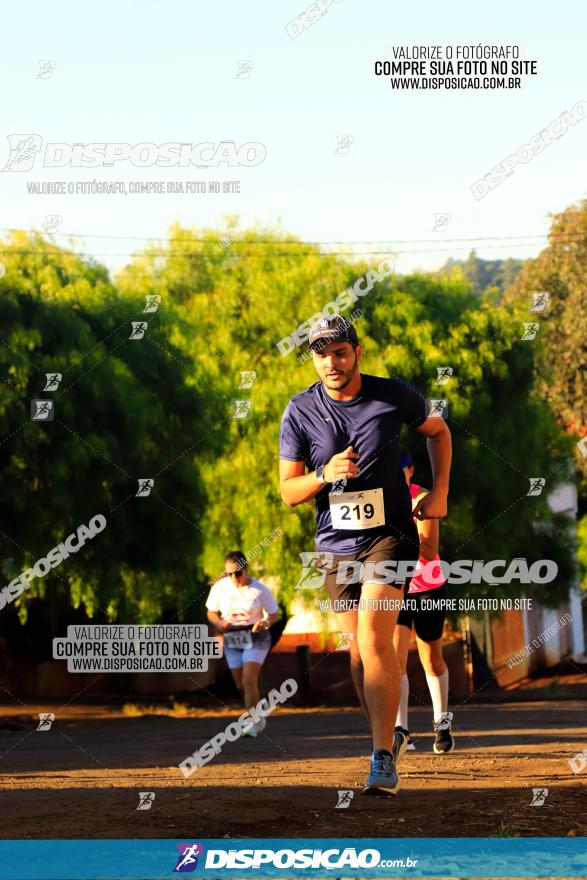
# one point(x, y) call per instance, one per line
point(187, 859)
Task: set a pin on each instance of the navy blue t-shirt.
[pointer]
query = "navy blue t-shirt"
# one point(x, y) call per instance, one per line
point(314, 427)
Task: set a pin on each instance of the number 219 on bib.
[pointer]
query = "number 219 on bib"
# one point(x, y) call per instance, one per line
point(357, 510)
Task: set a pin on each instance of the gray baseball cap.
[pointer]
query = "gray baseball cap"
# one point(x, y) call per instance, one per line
point(331, 329)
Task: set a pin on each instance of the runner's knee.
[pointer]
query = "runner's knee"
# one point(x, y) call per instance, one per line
point(374, 642)
point(434, 665)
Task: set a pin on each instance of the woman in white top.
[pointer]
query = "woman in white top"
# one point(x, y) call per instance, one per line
point(243, 609)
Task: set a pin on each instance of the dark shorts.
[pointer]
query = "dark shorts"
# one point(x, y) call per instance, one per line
point(428, 623)
point(398, 545)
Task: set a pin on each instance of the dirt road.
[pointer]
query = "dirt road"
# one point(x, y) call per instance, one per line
point(82, 777)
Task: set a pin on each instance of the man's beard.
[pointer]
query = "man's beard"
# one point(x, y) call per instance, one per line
point(345, 377)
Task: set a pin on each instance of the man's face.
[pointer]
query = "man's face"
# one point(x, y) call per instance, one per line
point(235, 573)
point(337, 363)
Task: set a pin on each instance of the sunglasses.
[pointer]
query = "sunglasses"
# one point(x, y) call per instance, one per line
point(236, 574)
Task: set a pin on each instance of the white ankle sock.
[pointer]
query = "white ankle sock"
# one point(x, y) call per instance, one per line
point(404, 694)
point(438, 687)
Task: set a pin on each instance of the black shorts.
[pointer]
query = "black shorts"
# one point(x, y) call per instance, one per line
point(399, 544)
point(428, 623)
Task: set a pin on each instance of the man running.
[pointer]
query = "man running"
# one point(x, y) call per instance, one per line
point(427, 583)
point(345, 429)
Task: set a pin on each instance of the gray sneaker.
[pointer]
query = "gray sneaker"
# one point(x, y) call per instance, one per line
point(383, 778)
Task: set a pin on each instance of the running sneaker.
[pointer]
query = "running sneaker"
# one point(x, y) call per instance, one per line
point(383, 777)
point(401, 739)
point(250, 729)
point(444, 741)
point(262, 722)
point(411, 744)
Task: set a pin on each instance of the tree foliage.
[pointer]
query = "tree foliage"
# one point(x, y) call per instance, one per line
point(503, 434)
point(124, 410)
point(485, 275)
point(163, 407)
point(561, 353)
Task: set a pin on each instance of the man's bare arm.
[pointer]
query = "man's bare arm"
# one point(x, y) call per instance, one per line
point(296, 487)
point(434, 504)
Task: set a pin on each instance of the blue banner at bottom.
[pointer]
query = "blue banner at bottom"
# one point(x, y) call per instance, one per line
point(533, 857)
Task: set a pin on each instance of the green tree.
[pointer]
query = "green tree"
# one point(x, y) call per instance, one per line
point(235, 303)
point(163, 407)
point(561, 362)
point(125, 410)
point(258, 289)
point(503, 434)
point(485, 275)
